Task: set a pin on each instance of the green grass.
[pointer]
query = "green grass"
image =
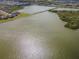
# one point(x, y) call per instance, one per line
point(14, 8)
point(17, 17)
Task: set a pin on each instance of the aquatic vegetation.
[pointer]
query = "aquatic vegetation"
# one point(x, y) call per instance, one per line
point(71, 17)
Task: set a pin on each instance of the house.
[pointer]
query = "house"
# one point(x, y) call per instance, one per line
point(14, 2)
point(3, 13)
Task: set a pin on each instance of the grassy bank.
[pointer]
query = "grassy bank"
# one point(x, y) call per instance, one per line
point(14, 8)
point(71, 17)
point(17, 17)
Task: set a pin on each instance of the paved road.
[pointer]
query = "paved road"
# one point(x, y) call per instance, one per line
point(40, 36)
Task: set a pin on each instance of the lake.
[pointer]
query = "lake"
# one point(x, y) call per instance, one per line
point(39, 36)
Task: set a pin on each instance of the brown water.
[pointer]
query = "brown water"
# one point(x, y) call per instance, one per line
point(41, 36)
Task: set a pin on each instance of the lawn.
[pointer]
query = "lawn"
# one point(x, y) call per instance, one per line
point(17, 17)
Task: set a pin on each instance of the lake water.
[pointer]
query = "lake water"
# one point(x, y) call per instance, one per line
point(34, 9)
point(40, 36)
